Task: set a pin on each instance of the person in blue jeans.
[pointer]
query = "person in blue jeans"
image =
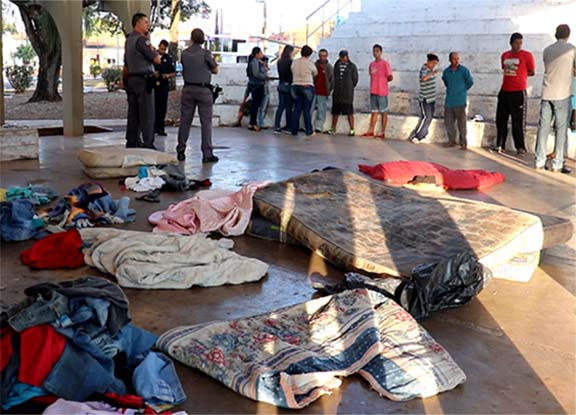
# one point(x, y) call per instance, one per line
point(559, 72)
point(303, 71)
point(284, 93)
point(266, 97)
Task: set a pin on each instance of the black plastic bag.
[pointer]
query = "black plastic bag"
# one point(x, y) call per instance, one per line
point(448, 284)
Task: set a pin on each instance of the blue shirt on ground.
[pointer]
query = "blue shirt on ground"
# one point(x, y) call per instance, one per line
point(457, 83)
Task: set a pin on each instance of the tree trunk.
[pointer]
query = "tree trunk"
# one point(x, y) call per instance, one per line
point(173, 45)
point(45, 39)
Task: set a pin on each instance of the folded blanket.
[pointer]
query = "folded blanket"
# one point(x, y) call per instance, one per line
point(209, 211)
point(152, 261)
point(292, 356)
point(402, 172)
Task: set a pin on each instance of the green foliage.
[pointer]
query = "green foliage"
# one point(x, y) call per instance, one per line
point(20, 77)
point(161, 11)
point(100, 22)
point(95, 69)
point(25, 53)
point(112, 77)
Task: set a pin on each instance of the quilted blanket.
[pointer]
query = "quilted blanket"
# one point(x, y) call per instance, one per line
point(292, 356)
point(360, 224)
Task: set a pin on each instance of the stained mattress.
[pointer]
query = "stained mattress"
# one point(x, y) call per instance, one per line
point(359, 224)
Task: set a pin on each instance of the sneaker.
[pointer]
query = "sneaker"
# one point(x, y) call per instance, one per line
point(351, 133)
point(211, 159)
point(277, 132)
point(318, 130)
point(415, 140)
point(566, 170)
point(287, 132)
point(496, 149)
point(521, 152)
point(161, 133)
point(330, 131)
point(181, 156)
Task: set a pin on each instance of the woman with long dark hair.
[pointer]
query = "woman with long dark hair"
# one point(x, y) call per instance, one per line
point(284, 83)
point(256, 79)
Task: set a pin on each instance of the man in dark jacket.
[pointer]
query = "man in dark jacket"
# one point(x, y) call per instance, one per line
point(323, 83)
point(345, 80)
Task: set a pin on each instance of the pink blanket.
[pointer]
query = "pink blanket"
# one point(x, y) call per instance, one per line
point(209, 211)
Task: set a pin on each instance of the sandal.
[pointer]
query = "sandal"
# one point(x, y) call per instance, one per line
point(152, 196)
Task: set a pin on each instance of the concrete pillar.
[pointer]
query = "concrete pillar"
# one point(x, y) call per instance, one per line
point(126, 9)
point(68, 17)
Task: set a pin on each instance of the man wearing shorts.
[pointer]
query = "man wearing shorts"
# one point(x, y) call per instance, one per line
point(345, 80)
point(380, 74)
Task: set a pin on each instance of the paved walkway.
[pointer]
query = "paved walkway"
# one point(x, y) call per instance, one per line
point(515, 341)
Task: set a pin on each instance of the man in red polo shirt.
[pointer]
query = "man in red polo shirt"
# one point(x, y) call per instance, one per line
point(517, 65)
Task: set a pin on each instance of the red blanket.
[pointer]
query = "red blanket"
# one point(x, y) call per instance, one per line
point(402, 172)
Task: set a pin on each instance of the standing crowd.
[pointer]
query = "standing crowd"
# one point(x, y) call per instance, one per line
point(306, 87)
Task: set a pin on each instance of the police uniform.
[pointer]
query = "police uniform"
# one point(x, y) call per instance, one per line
point(161, 89)
point(197, 66)
point(139, 59)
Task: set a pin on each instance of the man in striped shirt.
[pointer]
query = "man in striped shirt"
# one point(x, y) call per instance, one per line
point(427, 98)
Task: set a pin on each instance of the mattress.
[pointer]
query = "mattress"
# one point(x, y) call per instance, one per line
point(359, 224)
point(121, 157)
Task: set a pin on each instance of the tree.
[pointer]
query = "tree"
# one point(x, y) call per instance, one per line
point(163, 13)
point(45, 39)
point(97, 21)
point(25, 53)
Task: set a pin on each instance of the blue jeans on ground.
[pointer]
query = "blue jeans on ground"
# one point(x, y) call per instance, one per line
point(321, 103)
point(303, 97)
point(558, 111)
point(262, 110)
point(284, 105)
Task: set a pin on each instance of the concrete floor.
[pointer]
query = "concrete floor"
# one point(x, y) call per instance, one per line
point(516, 342)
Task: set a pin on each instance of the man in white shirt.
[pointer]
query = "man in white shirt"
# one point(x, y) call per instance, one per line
point(559, 72)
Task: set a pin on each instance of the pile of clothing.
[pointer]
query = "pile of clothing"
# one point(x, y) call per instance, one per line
point(74, 340)
point(209, 211)
point(18, 219)
point(89, 205)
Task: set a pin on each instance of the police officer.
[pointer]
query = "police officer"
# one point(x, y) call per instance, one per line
point(164, 72)
point(198, 65)
point(139, 60)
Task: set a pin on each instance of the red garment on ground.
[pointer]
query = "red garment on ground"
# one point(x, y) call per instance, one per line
point(59, 250)
point(131, 401)
point(402, 172)
point(40, 348)
point(6, 350)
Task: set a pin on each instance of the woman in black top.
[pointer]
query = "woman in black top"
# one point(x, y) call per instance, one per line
point(256, 79)
point(284, 97)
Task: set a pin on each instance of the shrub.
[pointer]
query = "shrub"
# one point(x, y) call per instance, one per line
point(20, 77)
point(112, 77)
point(95, 70)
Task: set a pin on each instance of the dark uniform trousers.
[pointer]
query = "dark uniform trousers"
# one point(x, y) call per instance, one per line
point(160, 105)
point(196, 96)
point(140, 113)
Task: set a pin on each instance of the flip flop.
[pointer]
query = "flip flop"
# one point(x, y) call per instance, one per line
point(368, 135)
point(381, 136)
point(152, 196)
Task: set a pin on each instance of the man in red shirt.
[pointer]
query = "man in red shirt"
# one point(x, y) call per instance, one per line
point(323, 84)
point(517, 65)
